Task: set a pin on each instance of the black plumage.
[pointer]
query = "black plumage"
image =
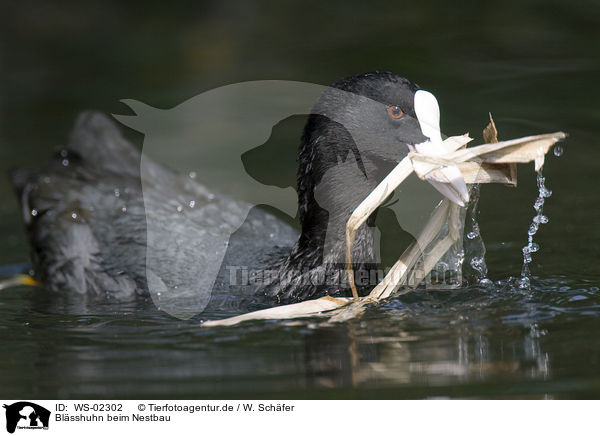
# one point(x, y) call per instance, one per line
point(87, 219)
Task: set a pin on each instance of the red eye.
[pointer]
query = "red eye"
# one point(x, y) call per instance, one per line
point(395, 112)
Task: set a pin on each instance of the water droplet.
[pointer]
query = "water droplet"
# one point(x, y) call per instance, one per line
point(117, 193)
point(545, 192)
point(192, 174)
point(124, 209)
point(179, 208)
point(539, 203)
point(192, 204)
point(472, 235)
point(65, 162)
point(74, 215)
point(533, 229)
point(34, 212)
point(540, 218)
point(477, 263)
point(64, 153)
point(524, 283)
point(558, 150)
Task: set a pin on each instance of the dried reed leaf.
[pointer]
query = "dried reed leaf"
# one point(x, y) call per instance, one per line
point(490, 136)
point(368, 206)
point(428, 168)
point(397, 276)
point(520, 150)
point(490, 133)
point(289, 311)
point(493, 162)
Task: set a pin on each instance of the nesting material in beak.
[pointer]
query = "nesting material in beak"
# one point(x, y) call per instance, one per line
point(428, 113)
point(493, 162)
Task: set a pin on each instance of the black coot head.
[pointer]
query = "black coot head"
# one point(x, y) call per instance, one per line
point(358, 131)
point(377, 109)
point(369, 118)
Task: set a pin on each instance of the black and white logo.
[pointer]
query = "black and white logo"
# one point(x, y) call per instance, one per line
point(26, 415)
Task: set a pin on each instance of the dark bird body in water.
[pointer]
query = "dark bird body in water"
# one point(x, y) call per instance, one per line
point(87, 218)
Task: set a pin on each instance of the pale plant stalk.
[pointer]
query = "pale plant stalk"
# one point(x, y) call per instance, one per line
point(487, 163)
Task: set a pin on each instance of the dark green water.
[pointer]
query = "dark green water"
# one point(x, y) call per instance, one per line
point(534, 65)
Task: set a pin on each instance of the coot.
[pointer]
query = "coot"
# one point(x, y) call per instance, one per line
point(87, 219)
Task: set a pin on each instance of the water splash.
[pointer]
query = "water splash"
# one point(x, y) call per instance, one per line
point(539, 218)
point(474, 247)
